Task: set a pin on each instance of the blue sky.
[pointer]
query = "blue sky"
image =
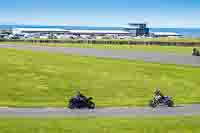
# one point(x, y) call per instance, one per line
point(157, 13)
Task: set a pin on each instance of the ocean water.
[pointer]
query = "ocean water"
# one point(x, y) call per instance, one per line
point(186, 32)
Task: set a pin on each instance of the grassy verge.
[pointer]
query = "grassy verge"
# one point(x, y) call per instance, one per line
point(101, 125)
point(42, 79)
point(152, 48)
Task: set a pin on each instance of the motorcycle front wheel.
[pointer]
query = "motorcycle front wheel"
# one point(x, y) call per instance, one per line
point(71, 105)
point(152, 104)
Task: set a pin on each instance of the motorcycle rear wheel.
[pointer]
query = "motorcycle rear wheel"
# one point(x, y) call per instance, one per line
point(91, 105)
point(170, 103)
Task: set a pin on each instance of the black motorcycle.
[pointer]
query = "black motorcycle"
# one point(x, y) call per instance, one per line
point(166, 101)
point(195, 52)
point(78, 103)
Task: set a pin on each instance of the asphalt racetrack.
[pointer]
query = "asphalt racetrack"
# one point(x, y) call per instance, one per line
point(182, 110)
point(163, 58)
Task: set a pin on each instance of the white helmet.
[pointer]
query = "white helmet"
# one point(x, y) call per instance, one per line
point(157, 90)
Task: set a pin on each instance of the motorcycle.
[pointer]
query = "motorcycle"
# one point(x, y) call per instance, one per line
point(195, 52)
point(77, 103)
point(166, 101)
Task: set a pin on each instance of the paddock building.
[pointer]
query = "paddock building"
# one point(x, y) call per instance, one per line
point(133, 29)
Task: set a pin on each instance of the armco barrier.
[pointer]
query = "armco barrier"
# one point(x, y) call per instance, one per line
point(112, 42)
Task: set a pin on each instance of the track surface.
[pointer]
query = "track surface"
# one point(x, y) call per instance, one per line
point(184, 110)
point(114, 112)
point(117, 54)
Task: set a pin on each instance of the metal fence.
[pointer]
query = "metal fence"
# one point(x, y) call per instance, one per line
point(109, 42)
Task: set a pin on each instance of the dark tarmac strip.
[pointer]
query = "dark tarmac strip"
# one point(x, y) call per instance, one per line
point(164, 58)
point(184, 110)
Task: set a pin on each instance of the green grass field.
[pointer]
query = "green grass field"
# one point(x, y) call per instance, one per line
point(101, 125)
point(42, 79)
point(152, 48)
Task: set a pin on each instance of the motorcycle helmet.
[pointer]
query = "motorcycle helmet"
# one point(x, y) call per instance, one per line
point(157, 91)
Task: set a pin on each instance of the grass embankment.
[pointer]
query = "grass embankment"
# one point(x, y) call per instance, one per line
point(160, 39)
point(168, 39)
point(152, 48)
point(101, 125)
point(42, 79)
